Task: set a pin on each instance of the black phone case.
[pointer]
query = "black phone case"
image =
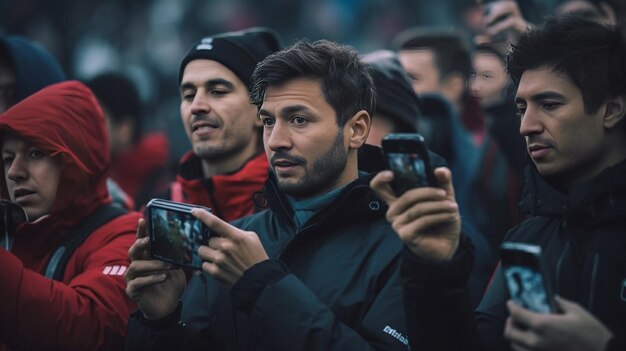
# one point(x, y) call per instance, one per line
point(170, 252)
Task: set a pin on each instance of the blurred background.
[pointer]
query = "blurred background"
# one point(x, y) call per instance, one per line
point(147, 39)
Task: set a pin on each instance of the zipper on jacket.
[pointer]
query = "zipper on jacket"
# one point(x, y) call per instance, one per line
point(592, 292)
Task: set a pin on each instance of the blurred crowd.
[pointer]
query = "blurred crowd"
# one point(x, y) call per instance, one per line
point(275, 115)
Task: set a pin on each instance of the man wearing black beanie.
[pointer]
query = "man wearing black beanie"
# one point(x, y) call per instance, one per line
point(226, 165)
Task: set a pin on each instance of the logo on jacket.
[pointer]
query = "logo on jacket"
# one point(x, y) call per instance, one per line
point(397, 335)
point(623, 295)
point(114, 270)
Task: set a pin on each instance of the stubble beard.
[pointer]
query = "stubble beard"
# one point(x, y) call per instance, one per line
point(326, 170)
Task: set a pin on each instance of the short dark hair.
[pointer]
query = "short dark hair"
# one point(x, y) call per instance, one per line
point(591, 55)
point(117, 93)
point(345, 81)
point(450, 53)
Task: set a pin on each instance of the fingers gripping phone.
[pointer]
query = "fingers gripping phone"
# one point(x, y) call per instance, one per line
point(407, 157)
point(525, 277)
point(175, 234)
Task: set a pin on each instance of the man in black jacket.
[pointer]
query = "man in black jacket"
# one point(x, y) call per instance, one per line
point(319, 269)
point(571, 77)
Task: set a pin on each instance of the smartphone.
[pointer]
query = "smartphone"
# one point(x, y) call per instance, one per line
point(525, 277)
point(407, 157)
point(11, 216)
point(175, 234)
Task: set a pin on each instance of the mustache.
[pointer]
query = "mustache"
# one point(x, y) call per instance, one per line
point(203, 117)
point(287, 157)
point(535, 139)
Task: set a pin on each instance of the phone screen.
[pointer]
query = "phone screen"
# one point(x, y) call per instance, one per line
point(526, 288)
point(176, 237)
point(525, 279)
point(409, 171)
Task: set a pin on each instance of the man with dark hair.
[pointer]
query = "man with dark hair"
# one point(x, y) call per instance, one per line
point(571, 96)
point(317, 270)
point(436, 62)
point(226, 165)
point(397, 105)
point(439, 66)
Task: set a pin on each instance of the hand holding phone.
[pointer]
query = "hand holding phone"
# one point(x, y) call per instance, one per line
point(526, 278)
point(175, 234)
point(407, 157)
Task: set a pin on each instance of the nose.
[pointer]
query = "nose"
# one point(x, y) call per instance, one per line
point(277, 138)
point(16, 170)
point(200, 103)
point(530, 122)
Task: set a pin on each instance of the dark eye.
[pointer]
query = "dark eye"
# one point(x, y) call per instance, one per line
point(520, 110)
point(299, 120)
point(36, 154)
point(188, 95)
point(268, 122)
point(548, 105)
point(218, 92)
point(7, 160)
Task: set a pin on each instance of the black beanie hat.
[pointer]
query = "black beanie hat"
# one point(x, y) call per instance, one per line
point(395, 97)
point(239, 51)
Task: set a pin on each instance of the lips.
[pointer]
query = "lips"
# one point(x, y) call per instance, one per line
point(538, 151)
point(202, 126)
point(21, 192)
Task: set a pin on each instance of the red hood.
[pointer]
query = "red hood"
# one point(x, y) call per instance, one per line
point(65, 120)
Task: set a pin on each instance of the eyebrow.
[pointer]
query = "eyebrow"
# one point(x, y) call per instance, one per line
point(209, 83)
point(542, 96)
point(285, 111)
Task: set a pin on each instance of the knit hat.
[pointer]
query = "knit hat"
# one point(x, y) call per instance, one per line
point(239, 51)
point(395, 97)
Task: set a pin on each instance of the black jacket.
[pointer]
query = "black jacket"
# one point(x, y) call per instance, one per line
point(333, 285)
point(583, 237)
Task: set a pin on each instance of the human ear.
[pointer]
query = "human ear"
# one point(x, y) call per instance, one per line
point(614, 111)
point(359, 128)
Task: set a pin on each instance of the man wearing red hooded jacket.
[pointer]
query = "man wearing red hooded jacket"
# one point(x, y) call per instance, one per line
point(55, 159)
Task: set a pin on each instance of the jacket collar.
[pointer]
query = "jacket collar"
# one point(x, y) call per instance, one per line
point(599, 199)
point(356, 197)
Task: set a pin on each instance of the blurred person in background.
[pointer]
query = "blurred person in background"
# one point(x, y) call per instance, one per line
point(489, 80)
point(25, 68)
point(62, 268)
point(138, 162)
point(226, 165)
point(505, 20)
point(397, 105)
point(439, 65)
point(497, 187)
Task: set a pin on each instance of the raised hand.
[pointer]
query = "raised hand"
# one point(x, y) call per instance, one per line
point(426, 219)
point(231, 251)
point(154, 285)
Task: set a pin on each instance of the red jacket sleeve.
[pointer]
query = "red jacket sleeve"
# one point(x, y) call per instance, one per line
point(89, 310)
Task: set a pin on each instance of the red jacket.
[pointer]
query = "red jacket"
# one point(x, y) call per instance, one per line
point(141, 170)
point(89, 308)
point(228, 195)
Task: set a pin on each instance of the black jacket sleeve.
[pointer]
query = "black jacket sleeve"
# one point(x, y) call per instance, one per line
point(287, 315)
point(439, 313)
point(163, 334)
